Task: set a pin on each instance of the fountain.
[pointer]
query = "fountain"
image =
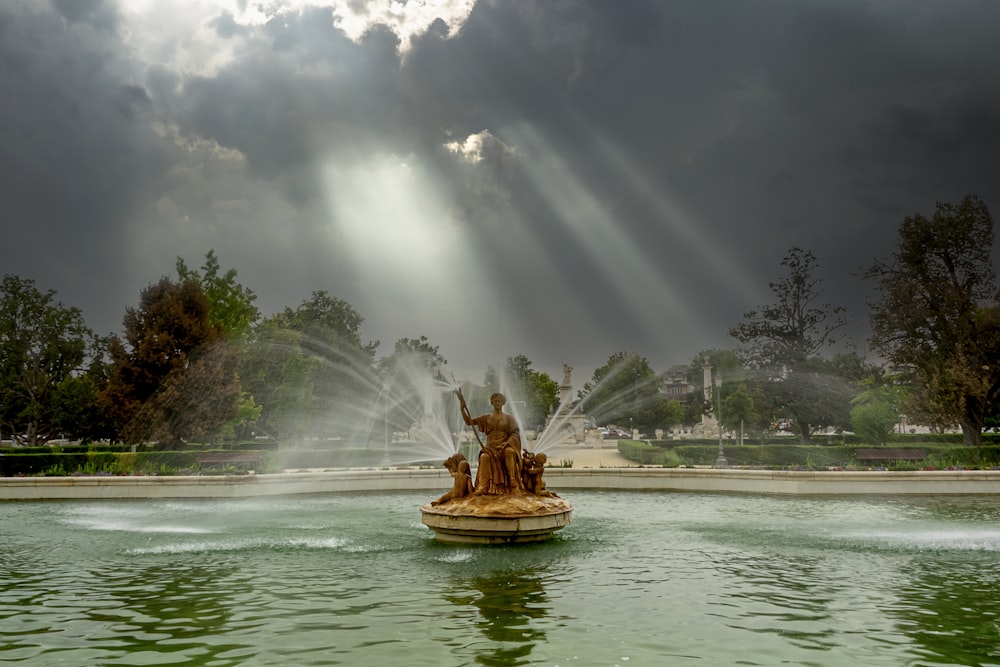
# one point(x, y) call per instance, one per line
point(508, 502)
point(310, 576)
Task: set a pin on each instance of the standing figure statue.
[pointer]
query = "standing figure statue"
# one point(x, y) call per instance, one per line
point(500, 458)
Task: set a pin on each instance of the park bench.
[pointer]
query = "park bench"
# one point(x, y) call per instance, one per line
point(239, 460)
point(882, 454)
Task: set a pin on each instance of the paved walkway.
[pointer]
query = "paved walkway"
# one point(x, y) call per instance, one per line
point(588, 457)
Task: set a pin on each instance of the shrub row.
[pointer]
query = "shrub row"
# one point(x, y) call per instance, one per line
point(659, 453)
point(101, 462)
point(668, 453)
point(254, 445)
point(841, 439)
point(51, 461)
point(646, 454)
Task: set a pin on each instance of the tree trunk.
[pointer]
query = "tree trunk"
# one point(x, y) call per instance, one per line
point(972, 431)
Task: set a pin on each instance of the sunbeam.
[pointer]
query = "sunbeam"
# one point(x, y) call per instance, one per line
point(616, 257)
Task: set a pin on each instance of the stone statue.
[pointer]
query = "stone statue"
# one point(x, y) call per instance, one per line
point(500, 458)
point(460, 471)
point(567, 369)
point(532, 468)
point(508, 502)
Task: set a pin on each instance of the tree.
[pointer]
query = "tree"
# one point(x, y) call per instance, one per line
point(42, 345)
point(876, 411)
point(81, 414)
point(173, 376)
point(725, 366)
point(412, 379)
point(782, 345)
point(77, 414)
point(477, 397)
point(937, 315)
point(738, 410)
point(671, 412)
point(535, 390)
point(417, 351)
point(230, 303)
point(277, 372)
point(231, 307)
point(310, 370)
point(625, 390)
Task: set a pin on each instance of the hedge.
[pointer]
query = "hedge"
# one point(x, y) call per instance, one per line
point(813, 456)
point(668, 453)
point(109, 463)
point(647, 454)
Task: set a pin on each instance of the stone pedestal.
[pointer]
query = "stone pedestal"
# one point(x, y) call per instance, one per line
point(471, 529)
point(512, 519)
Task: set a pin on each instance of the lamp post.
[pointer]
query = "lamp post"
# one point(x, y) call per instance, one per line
point(720, 460)
point(635, 400)
point(385, 429)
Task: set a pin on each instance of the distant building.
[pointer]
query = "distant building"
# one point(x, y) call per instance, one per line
point(675, 383)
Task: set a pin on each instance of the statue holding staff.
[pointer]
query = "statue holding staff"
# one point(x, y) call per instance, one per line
point(499, 469)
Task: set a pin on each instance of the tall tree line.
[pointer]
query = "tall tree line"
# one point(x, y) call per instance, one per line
point(195, 359)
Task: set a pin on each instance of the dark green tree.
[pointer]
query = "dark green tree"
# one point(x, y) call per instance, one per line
point(417, 351)
point(277, 371)
point(662, 413)
point(739, 413)
point(626, 391)
point(78, 412)
point(725, 370)
point(534, 392)
point(42, 345)
point(310, 371)
point(783, 345)
point(937, 314)
point(876, 410)
point(412, 377)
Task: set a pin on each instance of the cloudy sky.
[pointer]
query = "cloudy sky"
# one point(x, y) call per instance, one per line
point(560, 179)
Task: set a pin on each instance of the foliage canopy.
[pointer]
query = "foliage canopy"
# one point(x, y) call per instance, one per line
point(783, 344)
point(937, 315)
point(42, 346)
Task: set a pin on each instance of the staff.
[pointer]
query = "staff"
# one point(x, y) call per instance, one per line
point(468, 415)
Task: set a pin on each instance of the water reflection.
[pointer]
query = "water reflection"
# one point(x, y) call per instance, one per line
point(802, 582)
point(639, 579)
point(510, 604)
point(138, 616)
point(180, 609)
point(950, 613)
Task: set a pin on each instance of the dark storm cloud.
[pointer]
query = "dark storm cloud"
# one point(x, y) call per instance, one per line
point(662, 153)
point(74, 161)
point(812, 124)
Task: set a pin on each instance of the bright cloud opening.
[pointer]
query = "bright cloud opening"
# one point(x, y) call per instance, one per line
point(185, 35)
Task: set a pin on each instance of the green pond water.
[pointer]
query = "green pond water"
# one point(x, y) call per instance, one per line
point(636, 579)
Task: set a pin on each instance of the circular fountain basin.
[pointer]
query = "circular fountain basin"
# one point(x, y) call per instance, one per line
point(639, 578)
point(477, 529)
point(507, 519)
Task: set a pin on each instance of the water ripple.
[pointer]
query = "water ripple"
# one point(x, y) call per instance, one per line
point(636, 579)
